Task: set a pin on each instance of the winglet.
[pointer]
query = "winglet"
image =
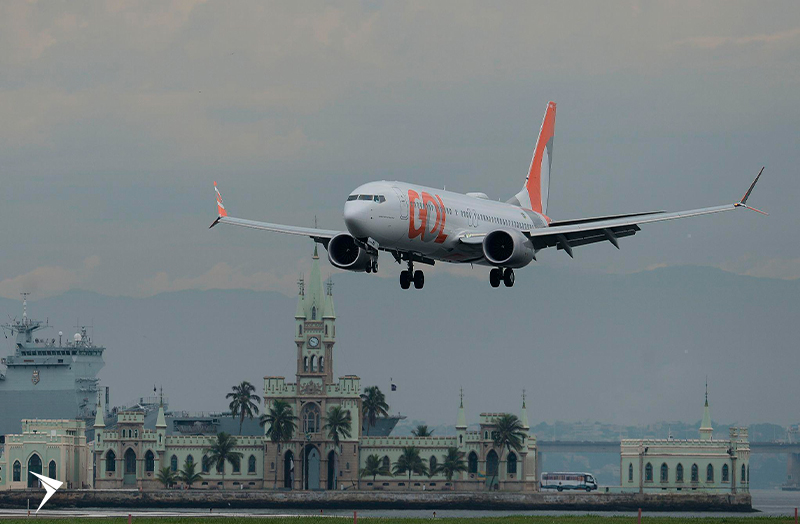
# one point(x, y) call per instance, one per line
point(220, 208)
point(743, 201)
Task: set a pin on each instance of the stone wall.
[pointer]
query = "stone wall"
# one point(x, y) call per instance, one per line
point(380, 500)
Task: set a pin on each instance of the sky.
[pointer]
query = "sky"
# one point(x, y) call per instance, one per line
point(118, 116)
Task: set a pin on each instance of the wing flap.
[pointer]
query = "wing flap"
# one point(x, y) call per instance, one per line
point(320, 235)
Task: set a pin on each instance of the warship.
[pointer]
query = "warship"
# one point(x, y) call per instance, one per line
point(45, 377)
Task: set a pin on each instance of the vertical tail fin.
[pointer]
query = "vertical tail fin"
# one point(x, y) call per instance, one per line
point(537, 184)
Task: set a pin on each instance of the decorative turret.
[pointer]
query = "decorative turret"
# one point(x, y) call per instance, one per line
point(523, 417)
point(461, 421)
point(706, 431)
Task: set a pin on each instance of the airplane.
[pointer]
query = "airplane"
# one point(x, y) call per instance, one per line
point(424, 225)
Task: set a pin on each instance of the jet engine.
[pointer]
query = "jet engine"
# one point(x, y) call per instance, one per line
point(345, 253)
point(508, 249)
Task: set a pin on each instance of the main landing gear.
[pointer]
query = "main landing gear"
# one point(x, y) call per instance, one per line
point(497, 274)
point(373, 266)
point(409, 275)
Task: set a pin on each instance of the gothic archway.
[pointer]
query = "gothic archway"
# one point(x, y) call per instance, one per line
point(331, 470)
point(492, 467)
point(288, 470)
point(312, 466)
point(34, 466)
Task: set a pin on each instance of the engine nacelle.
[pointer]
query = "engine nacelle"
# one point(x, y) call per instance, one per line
point(345, 253)
point(508, 249)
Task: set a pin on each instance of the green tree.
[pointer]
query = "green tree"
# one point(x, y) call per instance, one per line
point(508, 434)
point(338, 424)
point(188, 474)
point(222, 450)
point(373, 405)
point(422, 431)
point(244, 402)
point(411, 463)
point(453, 463)
point(167, 477)
point(374, 467)
point(282, 425)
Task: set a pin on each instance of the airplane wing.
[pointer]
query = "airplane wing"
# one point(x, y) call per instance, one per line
point(319, 235)
point(572, 233)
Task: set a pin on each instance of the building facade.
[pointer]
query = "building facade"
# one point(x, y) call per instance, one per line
point(705, 464)
point(53, 448)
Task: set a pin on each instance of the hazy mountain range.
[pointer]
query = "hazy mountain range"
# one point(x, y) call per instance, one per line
point(623, 349)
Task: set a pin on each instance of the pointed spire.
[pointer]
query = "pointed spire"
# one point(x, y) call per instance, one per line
point(98, 417)
point(523, 417)
point(706, 431)
point(330, 312)
point(314, 297)
point(461, 422)
point(161, 421)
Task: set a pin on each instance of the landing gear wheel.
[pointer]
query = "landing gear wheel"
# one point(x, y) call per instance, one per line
point(405, 279)
point(494, 277)
point(369, 268)
point(419, 279)
point(374, 265)
point(508, 277)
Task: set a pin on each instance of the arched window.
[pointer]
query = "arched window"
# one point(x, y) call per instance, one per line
point(305, 363)
point(326, 330)
point(173, 463)
point(433, 465)
point(321, 364)
point(485, 435)
point(664, 473)
point(205, 464)
point(630, 472)
point(695, 473)
point(17, 469)
point(710, 473)
point(220, 467)
point(300, 330)
point(679, 473)
point(149, 461)
point(313, 313)
point(492, 463)
point(313, 363)
point(748, 473)
point(744, 474)
point(472, 462)
point(135, 433)
point(130, 462)
point(511, 464)
point(51, 469)
point(724, 473)
point(648, 473)
point(387, 464)
point(461, 439)
point(111, 461)
point(190, 458)
point(236, 466)
point(311, 418)
point(251, 464)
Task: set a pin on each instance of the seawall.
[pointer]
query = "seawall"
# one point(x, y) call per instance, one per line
point(695, 502)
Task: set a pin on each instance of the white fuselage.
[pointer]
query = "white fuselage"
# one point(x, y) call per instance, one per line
point(429, 221)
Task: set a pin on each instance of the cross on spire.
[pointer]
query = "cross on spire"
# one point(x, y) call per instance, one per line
point(706, 390)
point(462, 397)
point(301, 284)
point(329, 285)
point(523, 399)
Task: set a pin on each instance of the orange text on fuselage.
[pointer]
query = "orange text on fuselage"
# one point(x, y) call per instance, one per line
point(419, 228)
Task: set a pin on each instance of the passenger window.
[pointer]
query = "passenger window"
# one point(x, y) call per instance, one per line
point(352, 197)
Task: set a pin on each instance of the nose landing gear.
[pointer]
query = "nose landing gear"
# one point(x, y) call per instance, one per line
point(408, 276)
point(497, 274)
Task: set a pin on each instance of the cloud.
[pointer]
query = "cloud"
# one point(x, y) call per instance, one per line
point(714, 42)
point(49, 281)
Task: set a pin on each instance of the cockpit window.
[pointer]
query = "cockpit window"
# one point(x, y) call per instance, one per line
point(352, 197)
point(374, 198)
point(380, 199)
point(365, 197)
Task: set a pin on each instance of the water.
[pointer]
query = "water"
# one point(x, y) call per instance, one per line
point(767, 503)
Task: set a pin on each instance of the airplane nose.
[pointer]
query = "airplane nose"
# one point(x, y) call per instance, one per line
point(356, 218)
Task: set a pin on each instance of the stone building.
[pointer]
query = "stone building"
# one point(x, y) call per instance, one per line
point(704, 464)
point(53, 448)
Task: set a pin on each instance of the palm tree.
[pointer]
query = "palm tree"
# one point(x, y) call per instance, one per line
point(410, 462)
point(338, 423)
point(244, 402)
point(374, 467)
point(453, 463)
point(373, 405)
point(422, 431)
point(509, 434)
point(166, 476)
point(221, 451)
point(281, 429)
point(188, 473)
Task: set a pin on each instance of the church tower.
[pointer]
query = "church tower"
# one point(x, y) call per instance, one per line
point(706, 431)
point(315, 333)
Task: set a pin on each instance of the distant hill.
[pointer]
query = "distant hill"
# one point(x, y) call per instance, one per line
point(625, 349)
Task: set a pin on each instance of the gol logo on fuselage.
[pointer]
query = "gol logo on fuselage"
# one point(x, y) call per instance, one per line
point(420, 205)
